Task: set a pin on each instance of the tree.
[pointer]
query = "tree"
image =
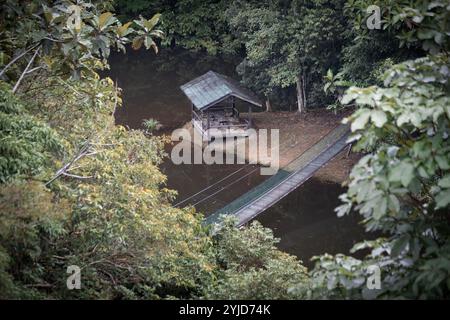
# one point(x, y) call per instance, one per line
point(27, 144)
point(256, 28)
point(65, 38)
point(75, 188)
point(253, 267)
point(400, 186)
point(284, 45)
point(190, 24)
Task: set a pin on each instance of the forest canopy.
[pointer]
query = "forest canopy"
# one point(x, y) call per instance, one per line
point(77, 189)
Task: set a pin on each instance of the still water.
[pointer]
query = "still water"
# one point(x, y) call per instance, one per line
point(304, 220)
point(306, 223)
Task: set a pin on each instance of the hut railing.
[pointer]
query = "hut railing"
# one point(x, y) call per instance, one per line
point(202, 119)
point(237, 126)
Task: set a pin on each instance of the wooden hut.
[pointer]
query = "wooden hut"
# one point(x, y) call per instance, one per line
point(213, 97)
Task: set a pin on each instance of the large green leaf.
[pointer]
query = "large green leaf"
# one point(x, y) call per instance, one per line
point(124, 29)
point(150, 24)
point(443, 199)
point(137, 43)
point(360, 121)
point(378, 117)
point(105, 19)
point(403, 172)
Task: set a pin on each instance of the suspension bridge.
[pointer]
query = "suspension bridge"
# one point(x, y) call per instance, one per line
point(272, 190)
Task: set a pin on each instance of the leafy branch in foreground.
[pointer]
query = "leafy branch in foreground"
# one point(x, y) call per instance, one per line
point(76, 189)
point(66, 38)
point(401, 187)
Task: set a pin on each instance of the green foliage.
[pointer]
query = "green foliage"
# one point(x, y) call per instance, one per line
point(76, 189)
point(401, 186)
point(150, 125)
point(366, 54)
point(335, 85)
point(257, 28)
point(415, 23)
point(414, 26)
point(71, 38)
point(31, 221)
point(146, 246)
point(287, 41)
point(254, 268)
point(133, 8)
point(191, 24)
point(279, 40)
point(27, 144)
point(251, 248)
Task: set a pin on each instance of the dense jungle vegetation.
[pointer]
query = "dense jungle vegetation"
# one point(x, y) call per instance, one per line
point(76, 189)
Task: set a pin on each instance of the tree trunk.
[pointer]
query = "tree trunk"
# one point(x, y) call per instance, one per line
point(301, 94)
point(304, 92)
point(268, 105)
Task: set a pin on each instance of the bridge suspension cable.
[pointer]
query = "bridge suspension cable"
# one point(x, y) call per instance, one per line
point(223, 188)
point(209, 187)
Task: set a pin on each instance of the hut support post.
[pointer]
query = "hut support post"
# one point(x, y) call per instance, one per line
point(233, 105)
point(207, 123)
point(249, 117)
point(201, 118)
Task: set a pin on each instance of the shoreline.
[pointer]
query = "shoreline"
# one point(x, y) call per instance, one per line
point(297, 134)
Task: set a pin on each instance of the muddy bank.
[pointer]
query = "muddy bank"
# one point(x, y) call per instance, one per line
point(338, 169)
point(299, 133)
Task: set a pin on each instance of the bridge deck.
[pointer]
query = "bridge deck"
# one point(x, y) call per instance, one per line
point(268, 193)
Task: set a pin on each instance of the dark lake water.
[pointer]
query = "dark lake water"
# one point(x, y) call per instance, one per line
point(304, 220)
point(307, 225)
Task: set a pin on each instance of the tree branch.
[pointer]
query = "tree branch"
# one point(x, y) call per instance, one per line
point(80, 154)
point(16, 58)
point(26, 70)
point(75, 176)
point(33, 70)
point(84, 151)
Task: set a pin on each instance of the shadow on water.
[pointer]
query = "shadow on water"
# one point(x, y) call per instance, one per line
point(307, 224)
point(304, 220)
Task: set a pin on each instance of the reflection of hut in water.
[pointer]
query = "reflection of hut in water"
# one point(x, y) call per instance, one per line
point(214, 111)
